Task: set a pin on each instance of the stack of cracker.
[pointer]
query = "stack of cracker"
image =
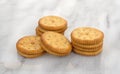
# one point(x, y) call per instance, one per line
point(87, 41)
point(29, 47)
point(51, 23)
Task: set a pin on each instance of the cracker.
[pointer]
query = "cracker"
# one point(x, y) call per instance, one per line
point(56, 42)
point(30, 55)
point(93, 46)
point(87, 49)
point(38, 33)
point(87, 53)
point(52, 52)
point(52, 23)
point(29, 45)
point(43, 30)
point(87, 35)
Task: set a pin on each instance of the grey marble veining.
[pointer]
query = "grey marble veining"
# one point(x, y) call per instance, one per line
point(19, 18)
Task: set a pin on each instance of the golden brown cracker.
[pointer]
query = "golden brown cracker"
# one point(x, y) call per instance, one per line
point(87, 53)
point(87, 46)
point(38, 33)
point(56, 42)
point(29, 45)
point(52, 52)
point(30, 55)
point(87, 35)
point(52, 23)
point(59, 31)
point(87, 49)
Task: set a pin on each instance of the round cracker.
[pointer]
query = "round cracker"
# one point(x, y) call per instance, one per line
point(87, 49)
point(38, 33)
point(52, 23)
point(87, 53)
point(56, 42)
point(29, 45)
point(43, 30)
point(87, 35)
point(30, 55)
point(52, 52)
point(93, 46)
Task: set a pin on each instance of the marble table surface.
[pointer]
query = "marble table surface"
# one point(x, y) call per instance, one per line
point(19, 18)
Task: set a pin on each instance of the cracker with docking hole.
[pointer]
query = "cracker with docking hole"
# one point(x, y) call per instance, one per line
point(87, 35)
point(56, 42)
point(87, 53)
point(29, 45)
point(52, 23)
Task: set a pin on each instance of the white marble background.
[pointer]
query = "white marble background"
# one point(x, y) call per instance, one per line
point(19, 18)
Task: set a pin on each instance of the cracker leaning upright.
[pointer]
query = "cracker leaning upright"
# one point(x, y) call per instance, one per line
point(55, 43)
